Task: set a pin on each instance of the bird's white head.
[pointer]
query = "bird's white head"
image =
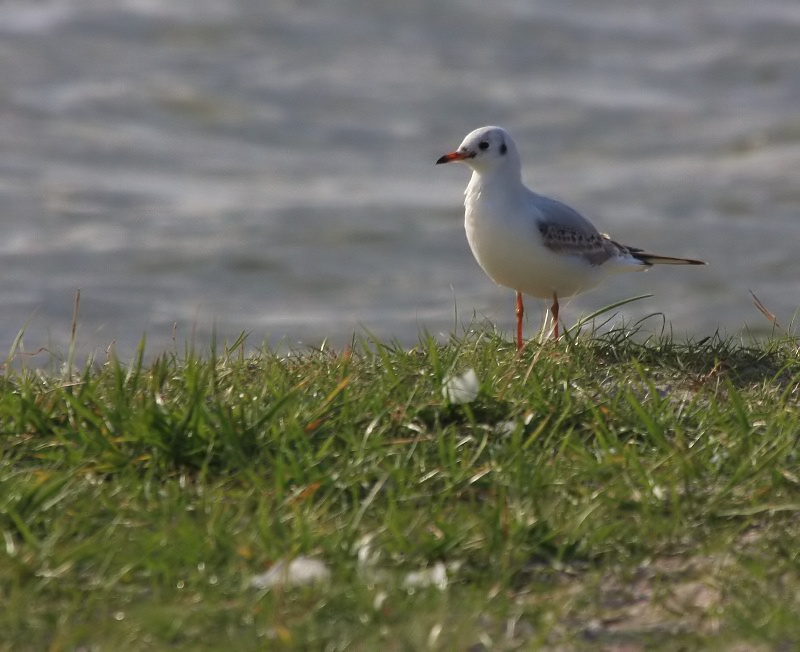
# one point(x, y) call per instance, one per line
point(485, 150)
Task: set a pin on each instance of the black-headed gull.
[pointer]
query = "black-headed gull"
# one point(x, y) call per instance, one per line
point(530, 243)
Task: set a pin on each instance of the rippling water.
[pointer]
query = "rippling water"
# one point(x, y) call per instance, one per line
point(268, 167)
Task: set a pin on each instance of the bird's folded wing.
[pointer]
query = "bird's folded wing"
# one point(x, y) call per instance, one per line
point(595, 248)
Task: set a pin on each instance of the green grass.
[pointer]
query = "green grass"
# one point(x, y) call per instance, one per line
point(604, 493)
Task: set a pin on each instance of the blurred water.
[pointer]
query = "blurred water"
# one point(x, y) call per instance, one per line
point(239, 165)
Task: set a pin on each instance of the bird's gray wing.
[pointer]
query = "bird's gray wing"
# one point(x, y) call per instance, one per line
point(564, 230)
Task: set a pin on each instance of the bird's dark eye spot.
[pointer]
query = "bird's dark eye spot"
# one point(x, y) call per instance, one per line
point(503, 148)
point(483, 145)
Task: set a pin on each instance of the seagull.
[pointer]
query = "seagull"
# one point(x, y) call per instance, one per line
point(531, 243)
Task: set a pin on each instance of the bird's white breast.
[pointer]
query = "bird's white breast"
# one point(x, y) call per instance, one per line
point(503, 233)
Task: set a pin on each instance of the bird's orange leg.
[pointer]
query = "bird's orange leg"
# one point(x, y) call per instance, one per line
point(520, 311)
point(554, 312)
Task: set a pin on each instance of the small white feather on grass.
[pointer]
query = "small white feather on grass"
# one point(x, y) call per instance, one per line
point(463, 388)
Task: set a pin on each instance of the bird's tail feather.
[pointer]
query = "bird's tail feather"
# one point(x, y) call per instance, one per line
point(655, 259)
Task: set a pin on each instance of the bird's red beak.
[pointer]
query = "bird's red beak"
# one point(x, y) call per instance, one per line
point(455, 156)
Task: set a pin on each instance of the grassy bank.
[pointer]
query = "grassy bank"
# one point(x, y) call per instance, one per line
point(598, 494)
